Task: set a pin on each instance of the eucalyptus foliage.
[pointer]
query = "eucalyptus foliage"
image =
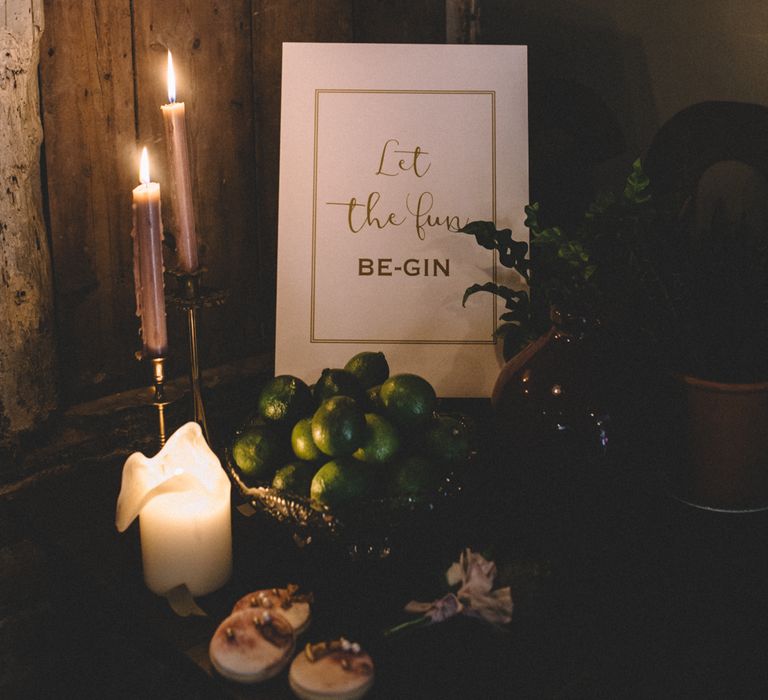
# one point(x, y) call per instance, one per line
point(600, 268)
point(700, 309)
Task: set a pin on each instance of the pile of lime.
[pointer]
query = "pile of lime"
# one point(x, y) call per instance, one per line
point(357, 433)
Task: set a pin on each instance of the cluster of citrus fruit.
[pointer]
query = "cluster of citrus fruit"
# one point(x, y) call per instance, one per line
point(357, 432)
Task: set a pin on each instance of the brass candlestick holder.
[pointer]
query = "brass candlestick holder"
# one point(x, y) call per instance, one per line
point(159, 400)
point(158, 396)
point(189, 296)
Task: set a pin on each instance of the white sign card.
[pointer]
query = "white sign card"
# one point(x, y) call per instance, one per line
point(386, 150)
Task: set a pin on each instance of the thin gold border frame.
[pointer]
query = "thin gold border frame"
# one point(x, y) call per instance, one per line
point(318, 92)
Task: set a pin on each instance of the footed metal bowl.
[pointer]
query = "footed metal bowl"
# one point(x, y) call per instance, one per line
point(367, 529)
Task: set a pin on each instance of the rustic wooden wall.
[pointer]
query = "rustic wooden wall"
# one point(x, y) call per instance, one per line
point(27, 353)
point(103, 81)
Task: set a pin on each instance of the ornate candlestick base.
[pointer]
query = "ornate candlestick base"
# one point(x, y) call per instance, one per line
point(190, 296)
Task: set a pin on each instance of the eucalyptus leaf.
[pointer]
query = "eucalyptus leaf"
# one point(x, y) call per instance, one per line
point(510, 295)
point(636, 188)
point(532, 217)
point(608, 262)
point(511, 252)
point(484, 232)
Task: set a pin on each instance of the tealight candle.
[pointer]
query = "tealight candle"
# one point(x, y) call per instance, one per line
point(182, 499)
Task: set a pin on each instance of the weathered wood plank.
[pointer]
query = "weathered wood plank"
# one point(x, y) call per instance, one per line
point(27, 362)
point(400, 21)
point(87, 86)
point(273, 23)
point(228, 58)
point(211, 45)
point(462, 21)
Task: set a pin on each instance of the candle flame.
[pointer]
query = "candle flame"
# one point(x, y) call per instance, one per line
point(171, 79)
point(144, 167)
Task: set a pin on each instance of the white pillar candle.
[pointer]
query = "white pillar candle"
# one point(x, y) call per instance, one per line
point(182, 499)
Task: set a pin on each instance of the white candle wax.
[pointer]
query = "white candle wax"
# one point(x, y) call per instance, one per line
point(174, 119)
point(182, 499)
point(186, 538)
point(148, 263)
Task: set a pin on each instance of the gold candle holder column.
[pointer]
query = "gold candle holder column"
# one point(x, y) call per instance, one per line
point(190, 296)
point(159, 400)
point(158, 396)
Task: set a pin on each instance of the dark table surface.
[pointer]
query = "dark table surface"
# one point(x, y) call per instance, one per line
point(620, 591)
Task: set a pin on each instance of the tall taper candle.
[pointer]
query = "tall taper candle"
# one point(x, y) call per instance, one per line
point(148, 262)
point(181, 182)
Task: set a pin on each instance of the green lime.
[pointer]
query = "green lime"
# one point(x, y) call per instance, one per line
point(295, 477)
point(409, 400)
point(413, 475)
point(373, 399)
point(338, 426)
point(302, 443)
point(285, 399)
point(341, 482)
point(381, 441)
point(370, 368)
point(337, 382)
point(447, 441)
point(257, 451)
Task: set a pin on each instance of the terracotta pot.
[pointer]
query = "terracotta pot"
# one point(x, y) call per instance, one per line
point(725, 443)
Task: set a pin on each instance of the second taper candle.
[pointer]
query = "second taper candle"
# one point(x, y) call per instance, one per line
point(184, 230)
point(148, 262)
